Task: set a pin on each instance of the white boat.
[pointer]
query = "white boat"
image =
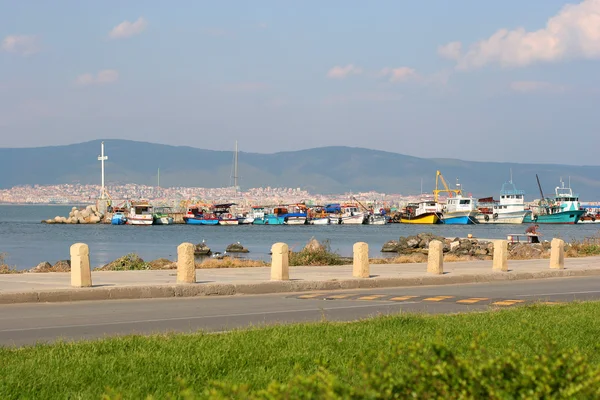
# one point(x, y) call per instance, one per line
point(509, 210)
point(140, 214)
point(320, 221)
point(459, 210)
point(375, 219)
point(351, 215)
point(245, 219)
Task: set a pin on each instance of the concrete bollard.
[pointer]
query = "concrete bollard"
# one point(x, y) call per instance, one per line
point(360, 266)
point(186, 265)
point(81, 274)
point(280, 265)
point(557, 254)
point(500, 261)
point(435, 258)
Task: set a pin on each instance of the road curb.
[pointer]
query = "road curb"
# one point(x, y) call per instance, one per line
point(268, 287)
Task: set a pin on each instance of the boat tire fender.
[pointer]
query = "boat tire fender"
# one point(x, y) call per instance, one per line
point(228, 216)
point(486, 217)
point(496, 216)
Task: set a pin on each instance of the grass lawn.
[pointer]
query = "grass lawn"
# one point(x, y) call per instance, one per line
point(136, 366)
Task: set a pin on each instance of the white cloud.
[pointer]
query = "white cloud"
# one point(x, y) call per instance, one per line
point(102, 77)
point(338, 72)
point(126, 29)
point(536, 86)
point(401, 74)
point(451, 50)
point(20, 44)
point(572, 33)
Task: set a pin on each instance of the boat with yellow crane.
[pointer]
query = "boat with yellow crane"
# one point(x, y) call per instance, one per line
point(458, 209)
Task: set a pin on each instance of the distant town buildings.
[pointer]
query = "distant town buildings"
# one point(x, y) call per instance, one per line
point(181, 196)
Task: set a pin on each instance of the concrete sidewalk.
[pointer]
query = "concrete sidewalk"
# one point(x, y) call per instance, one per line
point(52, 287)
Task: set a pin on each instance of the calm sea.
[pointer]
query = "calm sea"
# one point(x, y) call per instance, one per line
point(27, 242)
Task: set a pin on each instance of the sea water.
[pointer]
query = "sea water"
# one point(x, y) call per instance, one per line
point(27, 242)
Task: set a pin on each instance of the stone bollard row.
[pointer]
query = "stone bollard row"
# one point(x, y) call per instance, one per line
point(435, 258)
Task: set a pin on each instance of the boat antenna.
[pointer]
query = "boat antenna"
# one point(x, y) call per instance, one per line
point(102, 158)
point(421, 185)
point(511, 176)
point(234, 172)
point(158, 179)
point(539, 186)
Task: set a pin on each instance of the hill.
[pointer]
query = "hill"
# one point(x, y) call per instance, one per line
point(319, 170)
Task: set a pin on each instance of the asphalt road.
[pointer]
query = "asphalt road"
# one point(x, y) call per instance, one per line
point(22, 324)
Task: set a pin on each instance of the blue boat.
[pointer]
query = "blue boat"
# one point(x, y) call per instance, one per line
point(565, 208)
point(196, 216)
point(459, 210)
point(118, 218)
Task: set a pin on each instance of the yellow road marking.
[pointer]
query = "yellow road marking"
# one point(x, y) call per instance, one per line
point(339, 296)
point(438, 298)
point(508, 302)
point(373, 297)
point(472, 300)
point(402, 298)
point(308, 296)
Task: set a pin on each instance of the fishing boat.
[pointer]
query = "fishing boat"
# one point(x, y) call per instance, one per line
point(376, 219)
point(245, 219)
point(459, 210)
point(277, 217)
point(296, 215)
point(197, 216)
point(140, 213)
point(258, 215)
point(565, 208)
point(118, 218)
point(223, 213)
point(162, 216)
point(509, 210)
point(424, 212)
point(351, 215)
point(318, 216)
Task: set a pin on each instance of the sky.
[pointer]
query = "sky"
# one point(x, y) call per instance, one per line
point(511, 80)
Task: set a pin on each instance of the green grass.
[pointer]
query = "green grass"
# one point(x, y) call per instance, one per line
point(136, 366)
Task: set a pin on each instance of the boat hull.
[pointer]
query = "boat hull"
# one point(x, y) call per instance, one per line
point(246, 221)
point(163, 221)
point(503, 218)
point(426, 219)
point(228, 222)
point(259, 221)
point(353, 220)
point(376, 220)
point(320, 221)
point(295, 221)
point(459, 218)
point(563, 217)
point(139, 221)
point(274, 220)
point(200, 221)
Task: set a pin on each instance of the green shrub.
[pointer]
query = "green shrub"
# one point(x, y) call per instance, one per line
point(316, 255)
point(434, 372)
point(129, 262)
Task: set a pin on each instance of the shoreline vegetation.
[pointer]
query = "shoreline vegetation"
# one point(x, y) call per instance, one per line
point(412, 249)
point(537, 351)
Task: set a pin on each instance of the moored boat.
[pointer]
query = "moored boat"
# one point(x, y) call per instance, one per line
point(459, 210)
point(197, 216)
point(565, 208)
point(140, 213)
point(509, 210)
point(223, 213)
point(424, 212)
point(118, 218)
point(161, 216)
point(351, 215)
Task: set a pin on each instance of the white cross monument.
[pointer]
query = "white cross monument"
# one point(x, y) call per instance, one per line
point(102, 158)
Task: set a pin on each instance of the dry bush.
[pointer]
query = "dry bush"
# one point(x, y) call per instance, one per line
point(229, 262)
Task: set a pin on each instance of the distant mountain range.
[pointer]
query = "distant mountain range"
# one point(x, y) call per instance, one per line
point(321, 170)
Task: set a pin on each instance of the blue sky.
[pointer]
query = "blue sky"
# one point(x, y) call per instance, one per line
point(513, 81)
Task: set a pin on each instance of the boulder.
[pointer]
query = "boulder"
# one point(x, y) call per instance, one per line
point(402, 244)
point(62, 266)
point(237, 248)
point(201, 249)
point(390, 247)
point(94, 219)
point(42, 267)
point(454, 245)
point(413, 242)
point(465, 244)
point(58, 219)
